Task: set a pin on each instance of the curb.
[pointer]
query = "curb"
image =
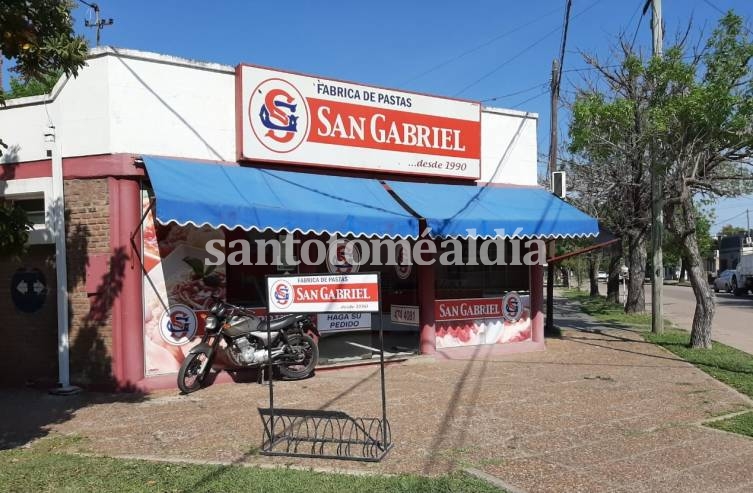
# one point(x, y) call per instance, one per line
point(260, 465)
point(492, 480)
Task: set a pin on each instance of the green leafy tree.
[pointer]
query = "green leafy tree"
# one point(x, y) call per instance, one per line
point(729, 230)
point(32, 87)
point(692, 111)
point(609, 140)
point(14, 228)
point(705, 141)
point(38, 37)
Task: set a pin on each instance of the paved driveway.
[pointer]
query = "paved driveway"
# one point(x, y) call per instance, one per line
point(599, 411)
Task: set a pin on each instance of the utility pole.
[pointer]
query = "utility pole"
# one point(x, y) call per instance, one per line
point(554, 109)
point(98, 23)
point(657, 194)
point(555, 96)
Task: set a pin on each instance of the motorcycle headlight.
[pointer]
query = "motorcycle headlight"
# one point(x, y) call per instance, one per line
point(211, 323)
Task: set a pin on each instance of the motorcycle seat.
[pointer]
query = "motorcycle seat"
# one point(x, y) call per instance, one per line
point(283, 322)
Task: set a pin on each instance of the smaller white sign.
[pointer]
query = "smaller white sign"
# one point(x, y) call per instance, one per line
point(332, 293)
point(404, 314)
point(340, 322)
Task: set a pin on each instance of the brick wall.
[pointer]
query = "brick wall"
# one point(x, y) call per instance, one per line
point(88, 248)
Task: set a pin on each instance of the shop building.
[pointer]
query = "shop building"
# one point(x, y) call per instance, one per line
point(161, 156)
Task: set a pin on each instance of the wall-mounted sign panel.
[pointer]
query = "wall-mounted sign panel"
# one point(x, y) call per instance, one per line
point(294, 118)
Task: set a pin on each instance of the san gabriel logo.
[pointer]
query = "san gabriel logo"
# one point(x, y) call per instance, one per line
point(282, 294)
point(278, 115)
point(403, 267)
point(343, 257)
point(512, 307)
point(178, 325)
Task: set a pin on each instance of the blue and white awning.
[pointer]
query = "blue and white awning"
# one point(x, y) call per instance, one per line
point(494, 211)
point(231, 196)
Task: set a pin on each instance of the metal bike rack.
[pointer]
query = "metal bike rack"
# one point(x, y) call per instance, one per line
point(326, 433)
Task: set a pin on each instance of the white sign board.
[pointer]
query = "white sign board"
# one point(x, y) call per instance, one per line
point(341, 322)
point(294, 118)
point(404, 314)
point(323, 293)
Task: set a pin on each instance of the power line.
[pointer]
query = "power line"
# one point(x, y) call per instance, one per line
point(729, 219)
point(707, 2)
point(507, 61)
point(482, 45)
point(546, 91)
point(522, 91)
point(614, 65)
point(638, 27)
point(523, 51)
point(630, 21)
point(565, 26)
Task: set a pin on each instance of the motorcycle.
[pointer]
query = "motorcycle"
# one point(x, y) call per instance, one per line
point(248, 344)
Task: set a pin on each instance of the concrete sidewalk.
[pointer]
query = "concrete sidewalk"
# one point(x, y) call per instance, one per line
point(599, 411)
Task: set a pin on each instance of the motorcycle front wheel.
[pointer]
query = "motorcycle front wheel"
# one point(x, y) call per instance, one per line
point(305, 367)
point(192, 372)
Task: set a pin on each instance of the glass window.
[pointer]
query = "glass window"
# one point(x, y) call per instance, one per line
point(34, 209)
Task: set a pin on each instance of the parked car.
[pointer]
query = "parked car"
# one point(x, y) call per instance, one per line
point(726, 281)
point(602, 276)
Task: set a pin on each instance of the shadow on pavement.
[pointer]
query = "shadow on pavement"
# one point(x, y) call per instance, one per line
point(28, 414)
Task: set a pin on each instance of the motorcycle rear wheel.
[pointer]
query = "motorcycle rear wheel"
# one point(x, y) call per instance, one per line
point(192, 372)
point(304, 369)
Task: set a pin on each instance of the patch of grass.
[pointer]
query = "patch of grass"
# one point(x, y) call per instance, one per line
point(62, 444)
point(40, 468)
point(742, 424)
point(604, 311)
point(725, 363)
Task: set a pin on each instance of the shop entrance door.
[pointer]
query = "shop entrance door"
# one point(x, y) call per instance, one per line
point(29, 329)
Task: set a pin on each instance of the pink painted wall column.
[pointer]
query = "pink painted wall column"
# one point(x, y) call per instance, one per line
point(127, 313)
point(426, 297)
point(537, 302)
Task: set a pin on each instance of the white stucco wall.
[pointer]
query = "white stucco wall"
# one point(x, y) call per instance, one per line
point(508, 147)
point(172, 110)
point(127, 101)
point(21, 129)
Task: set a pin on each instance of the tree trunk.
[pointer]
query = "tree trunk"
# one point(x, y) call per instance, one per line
point(565, 276)
point(683, 269)
point(636, 299)
point(613, 281)
point(593, 268)
point(705, 306)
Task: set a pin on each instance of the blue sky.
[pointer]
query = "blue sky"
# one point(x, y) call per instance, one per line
point(473, 49)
